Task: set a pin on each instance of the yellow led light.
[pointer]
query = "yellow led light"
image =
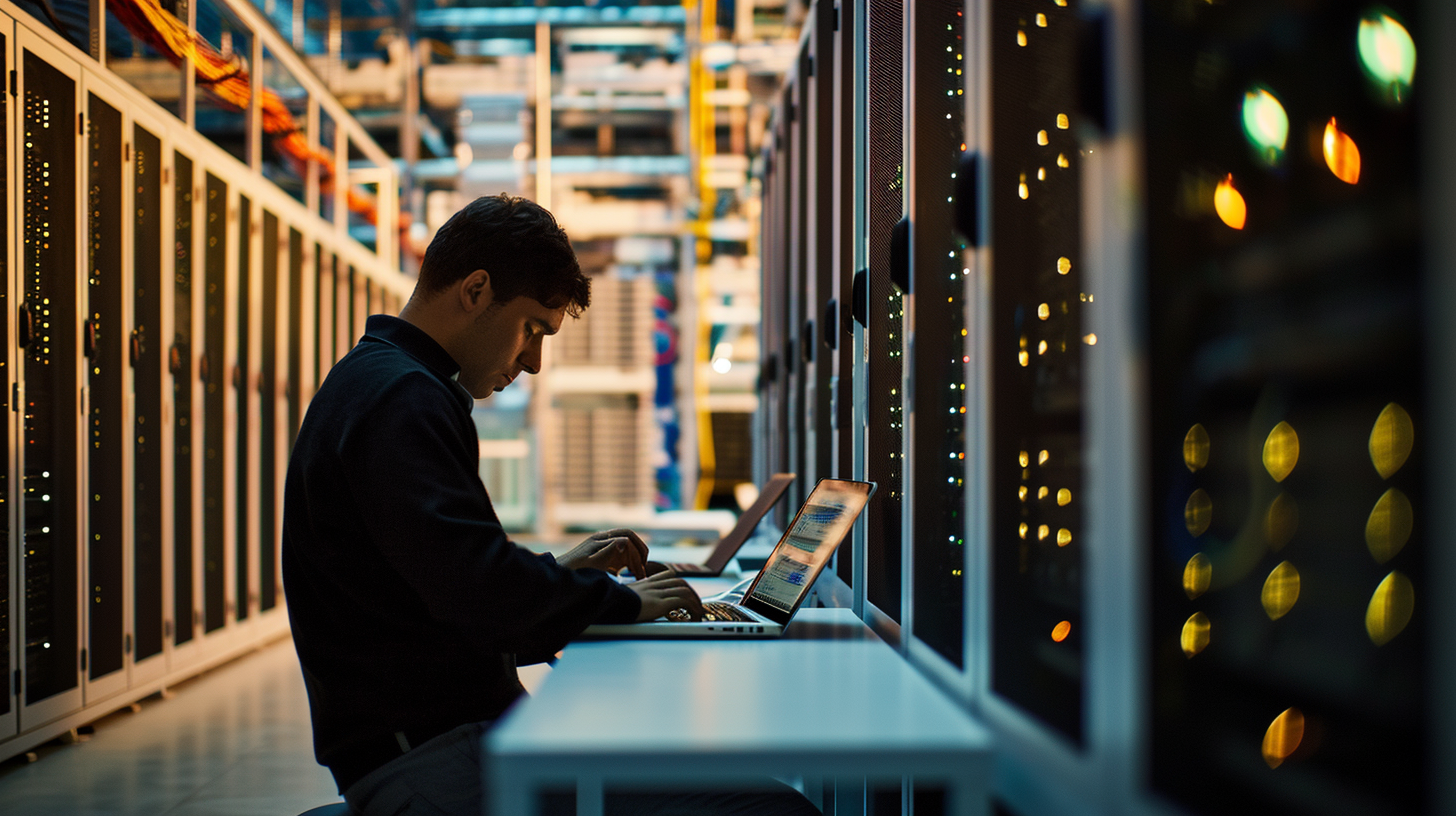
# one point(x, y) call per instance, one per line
point(1281, 591)
point(1341, 154)
point(1061, 631)
point(1195, 448)
point(1195, 634)
point(1197, 575)
point(1391, 440)
point(1198, 512)
point(1389, 526)
point(1390, 609)
point(1229, 203)
point(1283, 737)
point(1281, 451)
point(1281, 521)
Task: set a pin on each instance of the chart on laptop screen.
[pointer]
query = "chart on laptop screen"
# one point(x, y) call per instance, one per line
point(806, 547)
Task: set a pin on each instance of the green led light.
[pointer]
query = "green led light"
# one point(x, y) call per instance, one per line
point(1266, 125)
point(1387, 53)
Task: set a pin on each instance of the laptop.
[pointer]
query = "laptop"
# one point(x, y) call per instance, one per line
point(728, 545)
point(785, 580)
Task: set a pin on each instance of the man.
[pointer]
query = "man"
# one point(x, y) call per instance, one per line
point(410, 606)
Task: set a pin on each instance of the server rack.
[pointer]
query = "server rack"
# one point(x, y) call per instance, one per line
point(885, 206)
point(145, 366)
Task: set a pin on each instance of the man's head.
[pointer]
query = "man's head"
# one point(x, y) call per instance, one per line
point(499, 276)
point(518, 242)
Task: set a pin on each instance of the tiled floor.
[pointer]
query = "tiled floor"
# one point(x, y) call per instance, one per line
point(234, 742)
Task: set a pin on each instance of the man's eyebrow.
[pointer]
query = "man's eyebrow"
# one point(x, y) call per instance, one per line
point(545, 327)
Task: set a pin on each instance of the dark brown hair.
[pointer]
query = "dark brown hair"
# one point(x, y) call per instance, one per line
point(518, 243)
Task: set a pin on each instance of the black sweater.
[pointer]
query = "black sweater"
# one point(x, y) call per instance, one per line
point(407, 599)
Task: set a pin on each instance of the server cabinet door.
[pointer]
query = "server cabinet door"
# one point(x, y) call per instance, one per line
point(245, 409)
point(49, 335)
point(146, 353)
point(214, 359)
point(103, 348)
point(9, 355)
point(938, 363)
point(182, 364)
point(270, 391)
point(885, 206)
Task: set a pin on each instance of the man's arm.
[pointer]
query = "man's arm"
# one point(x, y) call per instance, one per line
point(433, 524)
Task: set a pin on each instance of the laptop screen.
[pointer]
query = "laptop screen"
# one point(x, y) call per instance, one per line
point(821, 524)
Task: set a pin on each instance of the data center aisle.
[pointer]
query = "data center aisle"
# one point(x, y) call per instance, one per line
point(234, 742)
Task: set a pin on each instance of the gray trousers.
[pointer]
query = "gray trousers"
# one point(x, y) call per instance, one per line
point(443, 778)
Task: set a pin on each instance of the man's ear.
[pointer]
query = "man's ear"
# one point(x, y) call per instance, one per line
point(475, 292)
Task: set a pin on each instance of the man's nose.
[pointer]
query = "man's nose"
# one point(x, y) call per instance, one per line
point(530, 359)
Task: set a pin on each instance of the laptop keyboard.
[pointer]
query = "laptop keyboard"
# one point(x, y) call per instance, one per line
point(719, 611)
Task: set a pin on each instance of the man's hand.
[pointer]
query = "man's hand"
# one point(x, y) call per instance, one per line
point(610, 550)
point(664, 592)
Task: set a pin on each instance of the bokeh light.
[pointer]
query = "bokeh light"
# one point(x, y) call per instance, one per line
point(1390, 609)
point(1197, 575)
point(1388, 54)
point(1266, 125)
point(1389, 526)
point(1281, 451)
point(1341, 154)
point(1195, 634)
point(1391, 440)
point(1283, 737)
point(1281, 591)
point(1229, 204)
point(1195, 448)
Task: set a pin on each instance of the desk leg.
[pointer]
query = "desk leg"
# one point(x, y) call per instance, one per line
point(589, 796)
point(849, 796)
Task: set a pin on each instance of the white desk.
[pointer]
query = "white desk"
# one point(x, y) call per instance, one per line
point(828, 700)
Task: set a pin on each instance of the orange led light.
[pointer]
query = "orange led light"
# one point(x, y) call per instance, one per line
point(1061, 630)
point(1229, 204)
point(1341, 154)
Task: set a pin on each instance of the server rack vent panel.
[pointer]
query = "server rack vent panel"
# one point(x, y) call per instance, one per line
point(1037, 349)
point(180, 362)
point(214, 403)
point(886, 206)
point(267, 531)
point(51, 415)
point(1288, 430)
point(147, 346)
point(102, 346)
point(242, 400)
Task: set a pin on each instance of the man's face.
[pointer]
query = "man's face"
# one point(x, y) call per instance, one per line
point(504, 341)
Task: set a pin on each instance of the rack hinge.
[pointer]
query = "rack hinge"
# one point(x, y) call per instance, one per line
point(83, 660)
point(15, 397)
point(81, 124)
point(14, 88)
point(126, 644)
point(17, 671)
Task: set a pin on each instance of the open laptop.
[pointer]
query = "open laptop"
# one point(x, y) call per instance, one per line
point(785, 580)
point(728, 545)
